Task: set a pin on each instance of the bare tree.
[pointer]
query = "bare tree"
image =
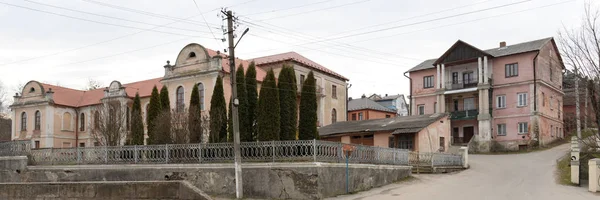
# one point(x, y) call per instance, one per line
point(93, 84)
point(180, 128)
point(3, 100)
point(580, 49)
point(110, 128)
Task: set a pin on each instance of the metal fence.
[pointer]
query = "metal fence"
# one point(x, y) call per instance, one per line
point(272, 151)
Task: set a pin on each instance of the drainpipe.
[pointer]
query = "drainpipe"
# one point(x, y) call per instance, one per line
point(410, 103)
point(535, 82)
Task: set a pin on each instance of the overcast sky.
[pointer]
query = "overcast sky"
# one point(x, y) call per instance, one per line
point(77, 40)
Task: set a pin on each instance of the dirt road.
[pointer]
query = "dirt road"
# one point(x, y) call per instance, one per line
point(502, 177)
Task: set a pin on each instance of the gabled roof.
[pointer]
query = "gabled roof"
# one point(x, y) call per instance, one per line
point(524, 47)
point(293, 56)
point(460, 49)
point(403, 124)
point(366, 103)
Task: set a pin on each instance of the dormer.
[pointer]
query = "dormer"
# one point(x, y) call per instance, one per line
point(193, 59)
point(115, 89)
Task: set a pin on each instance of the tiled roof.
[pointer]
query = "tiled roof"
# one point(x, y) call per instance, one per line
point(496, 52)
point(403, 124)
point(298, 58)
point(366, 103)
point(78, 98)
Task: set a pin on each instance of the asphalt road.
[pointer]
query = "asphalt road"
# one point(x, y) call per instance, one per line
point(503, 177)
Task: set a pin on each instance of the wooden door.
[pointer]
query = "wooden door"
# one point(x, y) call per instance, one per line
point(468, 133)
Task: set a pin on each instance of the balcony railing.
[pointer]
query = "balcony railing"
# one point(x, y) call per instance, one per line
point(460, 84)
point(464, 114)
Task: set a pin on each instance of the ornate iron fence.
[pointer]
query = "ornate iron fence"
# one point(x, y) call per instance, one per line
point(272, 151)
point(15, 148)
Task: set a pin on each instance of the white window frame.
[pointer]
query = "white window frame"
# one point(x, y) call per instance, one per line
point(501, 101)
point(419, 109)
point(522, 128)
point(519, 102)
point(501, 129)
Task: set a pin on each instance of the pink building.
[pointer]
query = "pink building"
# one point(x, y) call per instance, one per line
point(504, 98)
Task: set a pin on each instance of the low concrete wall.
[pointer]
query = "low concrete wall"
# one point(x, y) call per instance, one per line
point(100, 190)
point(13, 162)
point(261, 180)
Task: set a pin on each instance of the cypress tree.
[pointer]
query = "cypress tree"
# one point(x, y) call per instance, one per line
point(245, 126)
point(252, 96)
point(268, 109)
point(195, 117)
point(154, 109)
point(218, 113)
point(308, 110)
point(164, 99)
point(287, 102)
point(137, 124)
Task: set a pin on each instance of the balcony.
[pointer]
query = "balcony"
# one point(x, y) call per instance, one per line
point(461, 84)
point(464, 114)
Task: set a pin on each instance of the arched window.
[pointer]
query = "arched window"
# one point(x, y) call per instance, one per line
point(23, 121)
point(66, 125)
point(180, 100)
point(37, 123)
point(192, 55)
point(96, 120)
point(201, 94)
point(82, 122)
point(333, 116)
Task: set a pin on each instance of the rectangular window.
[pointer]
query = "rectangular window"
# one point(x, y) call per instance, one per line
point(360, 116)
point(391, 142)
point(501, 101)
point(334, 91)
point(501, 129)
point(353, 116)
point(511, 70)
point(522, 127)
point(455, 104)
point(434, 107)
point(388, 116)
point(82, 144)
point(551, 131)
point(543, 99)
point(522, 99)
point(421, 109)
point(442, 144)
point(469, 78)
point(469, 103)
point(37, 144)
point(302, 77)
point(551, 98)
point(428, 82)
point(454, 77)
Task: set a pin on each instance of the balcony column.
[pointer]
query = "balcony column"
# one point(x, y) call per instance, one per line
point(486, 70)
point(479, 71)
point(437, 78)
point(443, 76)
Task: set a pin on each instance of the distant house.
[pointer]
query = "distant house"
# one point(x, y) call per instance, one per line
point(424, 133)
point(394, 102)
point(587, 114)
point(365, 109)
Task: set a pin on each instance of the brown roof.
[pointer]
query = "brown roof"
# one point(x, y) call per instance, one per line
point(293, 56)
point(402, 124)
point(79, 98)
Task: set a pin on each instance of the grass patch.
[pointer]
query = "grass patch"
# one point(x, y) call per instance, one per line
point(563, 170)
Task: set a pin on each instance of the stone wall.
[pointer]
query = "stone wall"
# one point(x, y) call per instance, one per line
point(163, 190)
point(261, 180)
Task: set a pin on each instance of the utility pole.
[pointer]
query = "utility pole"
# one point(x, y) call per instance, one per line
point(234, 108)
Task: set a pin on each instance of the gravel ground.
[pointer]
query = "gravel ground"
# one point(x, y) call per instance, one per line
point(507, 177)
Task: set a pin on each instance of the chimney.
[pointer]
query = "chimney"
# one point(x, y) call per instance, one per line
point(502, 44)
point(386, 95)
point(363, 96)
point(49, 94)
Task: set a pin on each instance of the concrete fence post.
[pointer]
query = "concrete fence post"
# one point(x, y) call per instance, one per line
point(314, 150)
point(166, 153)
point(105, 155)
point(273, 150)
point(340, 152)
point(594, 175)
point(464, 151)
point(200, 152)
point(575, 160)
point(135, 154)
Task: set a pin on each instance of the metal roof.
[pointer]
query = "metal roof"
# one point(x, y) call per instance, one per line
point(366, 103)
point(402, 124)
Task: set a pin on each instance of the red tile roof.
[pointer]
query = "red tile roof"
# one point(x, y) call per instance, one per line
point(78, 98)
point(260, 73)
point(297, 58)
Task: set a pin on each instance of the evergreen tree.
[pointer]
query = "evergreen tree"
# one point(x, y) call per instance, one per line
point(287, 102)
point(244, 124)
point(164, 99)
point(218, 113)
point(195, 117)
point(308, 110)
point(154, 109)
point(267, 120)
point(252, 96)
point(137, 124)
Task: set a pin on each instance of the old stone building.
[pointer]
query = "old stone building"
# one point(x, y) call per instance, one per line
point(54, 116)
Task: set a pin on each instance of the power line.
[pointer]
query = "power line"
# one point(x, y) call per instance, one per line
point(310, 11)
point(289, 8)
point(207, 26)
point(99, 22)
point(111, 17)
